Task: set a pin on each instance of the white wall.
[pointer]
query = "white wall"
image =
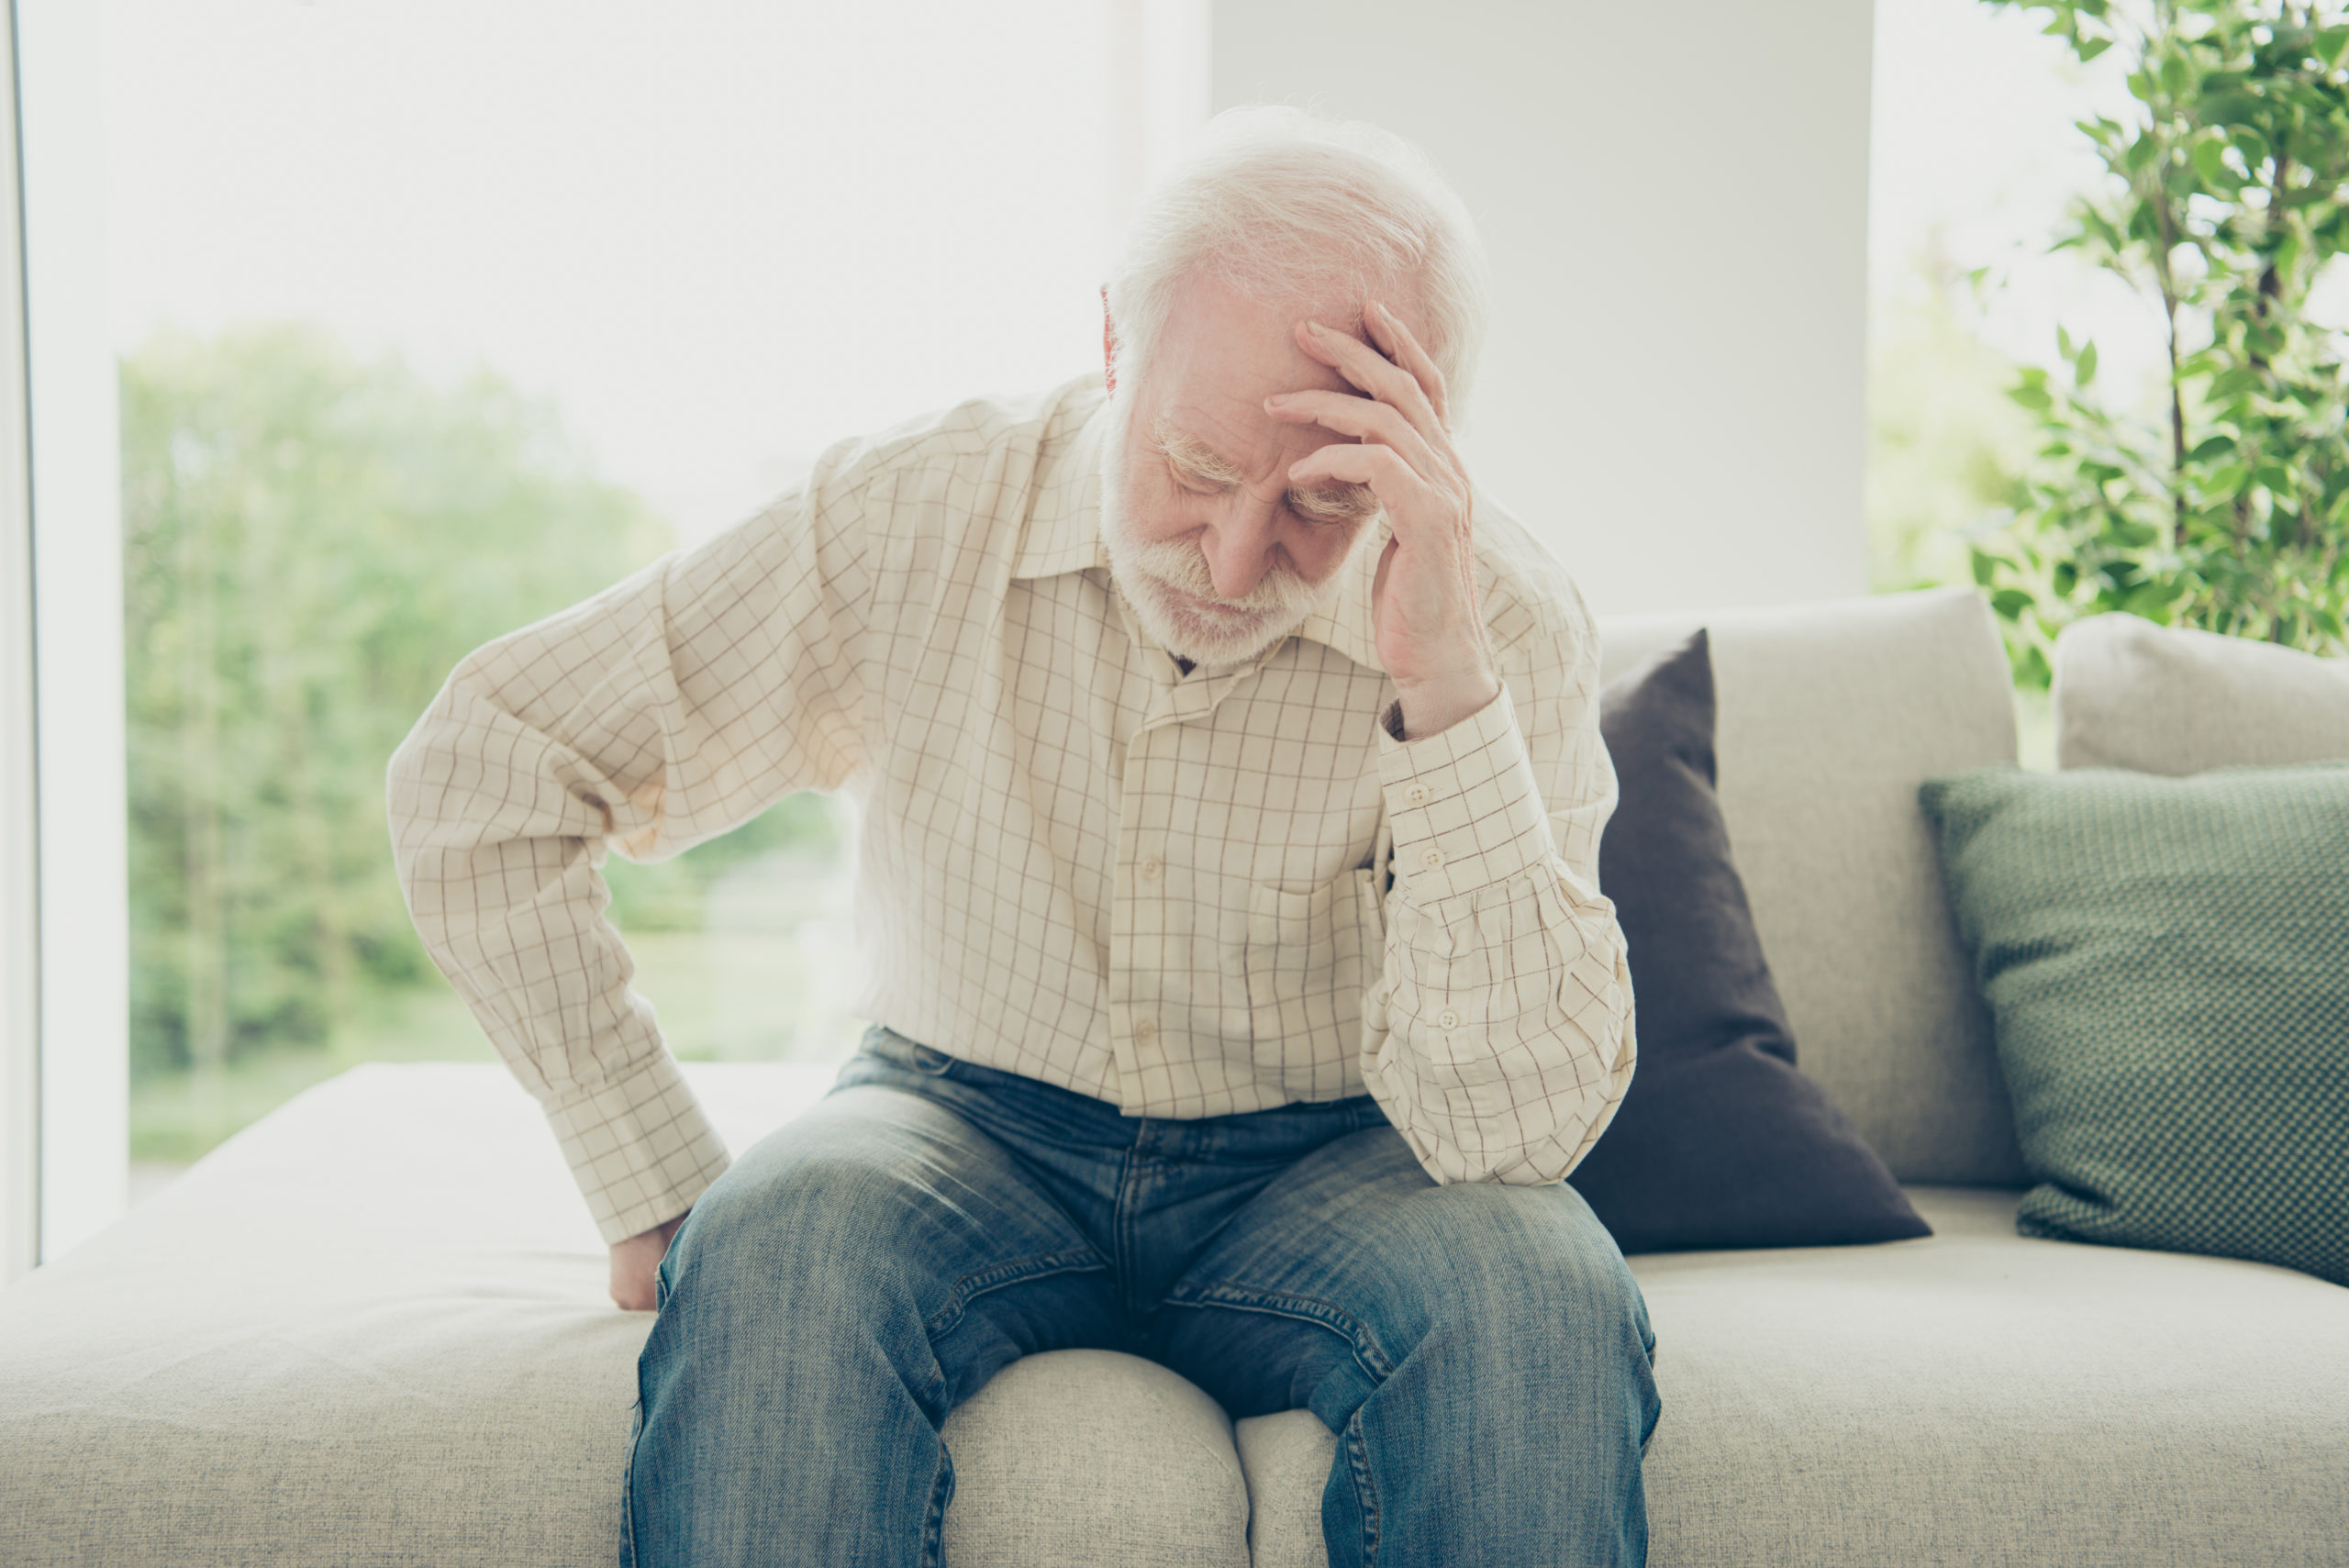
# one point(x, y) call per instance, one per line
point(1675, 200)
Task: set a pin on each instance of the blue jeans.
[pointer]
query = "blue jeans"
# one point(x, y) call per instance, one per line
point(1480, 1350)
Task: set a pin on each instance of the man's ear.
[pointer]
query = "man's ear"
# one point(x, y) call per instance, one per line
point(1108, 343)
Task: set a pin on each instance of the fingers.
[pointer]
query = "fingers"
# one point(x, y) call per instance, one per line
point(1360, 418)
point(1406, 496)
point(1400, 449)
point(1375, 374)
point(1396, 339)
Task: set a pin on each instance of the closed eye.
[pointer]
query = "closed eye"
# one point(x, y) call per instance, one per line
point(1196, 469)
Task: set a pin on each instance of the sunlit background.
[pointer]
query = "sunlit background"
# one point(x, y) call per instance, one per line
point(433, 320)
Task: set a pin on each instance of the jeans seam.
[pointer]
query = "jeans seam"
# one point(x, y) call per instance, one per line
point(1366, 1487)
point(1305, 1308)
point(627, 1554)
point(627, 1482)
point(998, 1277)
point(933, 1529)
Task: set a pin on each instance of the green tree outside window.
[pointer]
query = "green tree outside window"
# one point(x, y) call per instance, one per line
point(310, 543)
point(2230, 511)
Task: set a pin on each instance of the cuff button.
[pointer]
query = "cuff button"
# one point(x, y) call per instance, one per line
point(1416, 795)
point(1432, 859)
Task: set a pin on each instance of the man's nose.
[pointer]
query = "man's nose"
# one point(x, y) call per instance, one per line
point(1240, 546)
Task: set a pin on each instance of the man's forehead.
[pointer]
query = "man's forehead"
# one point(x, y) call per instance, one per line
point(1189, 449)
point(1226, 449)
point(1222, 354)
point(1216, 334)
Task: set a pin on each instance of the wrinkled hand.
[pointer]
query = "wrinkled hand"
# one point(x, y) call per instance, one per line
point(1423, 602)
point(635, 1260)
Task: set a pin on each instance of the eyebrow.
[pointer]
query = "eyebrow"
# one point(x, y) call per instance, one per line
point(1323, 502)
point(1193, 456)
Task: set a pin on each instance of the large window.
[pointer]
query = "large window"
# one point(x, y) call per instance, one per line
point(433, 319)
point(364, 330)
point(1974, 157)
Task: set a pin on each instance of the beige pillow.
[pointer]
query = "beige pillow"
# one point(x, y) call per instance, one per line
point(2160, 699)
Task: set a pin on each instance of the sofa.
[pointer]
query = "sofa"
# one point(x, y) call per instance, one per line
point(374, 1328)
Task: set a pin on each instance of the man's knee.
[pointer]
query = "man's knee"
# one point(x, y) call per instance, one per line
point(1522, 1265)
point(820, 1210)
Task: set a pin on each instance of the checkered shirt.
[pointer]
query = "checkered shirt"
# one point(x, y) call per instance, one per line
point(1186, 894)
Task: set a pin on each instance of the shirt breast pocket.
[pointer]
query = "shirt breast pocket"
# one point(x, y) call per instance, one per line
point(1309, 957)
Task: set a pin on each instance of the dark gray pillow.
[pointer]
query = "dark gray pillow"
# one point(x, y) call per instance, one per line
point(1720, 1142)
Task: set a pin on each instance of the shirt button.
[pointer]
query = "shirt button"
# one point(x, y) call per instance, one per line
point(1416, 795)
point(1447, 1019)
point(1151, 868)
point(1432, 859)
point(1145, 1031)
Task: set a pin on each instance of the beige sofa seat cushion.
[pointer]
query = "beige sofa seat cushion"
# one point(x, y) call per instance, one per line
point(1830, 717)
point(374, 1328)
point(2161, 699)
point(1973, 1397)
point(1077, 1459)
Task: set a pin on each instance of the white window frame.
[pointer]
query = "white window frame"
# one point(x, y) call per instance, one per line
point(63, 846)
point(19, 806)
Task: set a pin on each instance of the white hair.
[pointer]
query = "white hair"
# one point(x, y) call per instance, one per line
point(1297, 210)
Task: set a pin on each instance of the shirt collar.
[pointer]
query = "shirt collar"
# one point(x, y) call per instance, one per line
point(1063, 528)
point(1066, 537)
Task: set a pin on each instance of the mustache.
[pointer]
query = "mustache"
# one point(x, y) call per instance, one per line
point(1183, 567)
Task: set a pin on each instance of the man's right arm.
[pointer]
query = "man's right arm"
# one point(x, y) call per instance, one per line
point(674, 705)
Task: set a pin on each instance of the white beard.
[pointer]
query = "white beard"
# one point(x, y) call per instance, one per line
point(1171, 591)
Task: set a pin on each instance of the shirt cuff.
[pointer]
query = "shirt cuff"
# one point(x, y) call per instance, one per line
point(640, 1148)
point(1463, 804)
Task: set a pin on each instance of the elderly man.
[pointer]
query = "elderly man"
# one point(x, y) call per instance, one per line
point(1232, 792)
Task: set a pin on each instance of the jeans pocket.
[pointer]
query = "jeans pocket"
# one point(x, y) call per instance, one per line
point(914, 1056)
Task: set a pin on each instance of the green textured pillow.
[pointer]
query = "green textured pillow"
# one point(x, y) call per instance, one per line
point(2168, 959)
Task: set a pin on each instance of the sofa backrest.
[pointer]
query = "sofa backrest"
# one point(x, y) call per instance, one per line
point(1830, 715)
point(2174, 700)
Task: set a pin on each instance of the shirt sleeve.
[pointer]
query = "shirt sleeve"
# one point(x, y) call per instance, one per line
point(676, 705)
point(1499, 1037)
